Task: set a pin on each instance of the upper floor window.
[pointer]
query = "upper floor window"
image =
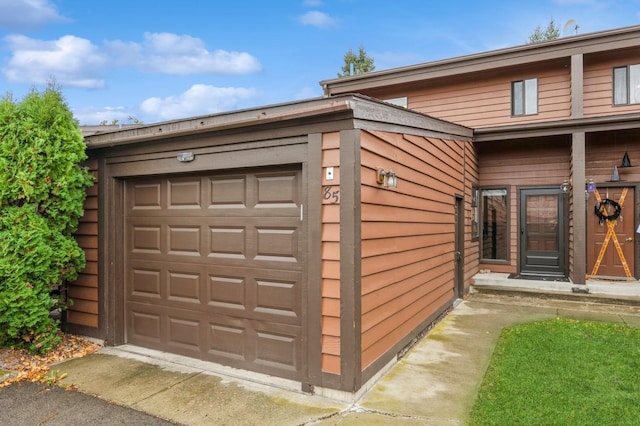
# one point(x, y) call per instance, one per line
point(524, 97)
point(626, 85)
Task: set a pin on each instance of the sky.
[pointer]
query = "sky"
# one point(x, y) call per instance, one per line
point(153, 61)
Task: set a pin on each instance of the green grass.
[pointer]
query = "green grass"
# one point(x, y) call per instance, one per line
point(562, 372)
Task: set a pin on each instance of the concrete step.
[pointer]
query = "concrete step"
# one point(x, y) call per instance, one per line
point(594, 291)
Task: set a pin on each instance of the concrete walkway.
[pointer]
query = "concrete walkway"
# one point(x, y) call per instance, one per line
point(434, 384)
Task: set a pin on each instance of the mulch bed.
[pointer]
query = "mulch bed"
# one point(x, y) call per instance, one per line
point(35, 368)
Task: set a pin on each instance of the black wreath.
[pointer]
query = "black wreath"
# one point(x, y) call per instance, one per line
point(600, 210)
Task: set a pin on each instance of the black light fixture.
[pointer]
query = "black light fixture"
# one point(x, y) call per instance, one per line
point(625, 161)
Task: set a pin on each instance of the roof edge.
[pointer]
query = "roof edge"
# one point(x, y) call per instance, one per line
point(597, 41)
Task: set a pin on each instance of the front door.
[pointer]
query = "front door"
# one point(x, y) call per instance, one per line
point(609, 261)
point(542, 232)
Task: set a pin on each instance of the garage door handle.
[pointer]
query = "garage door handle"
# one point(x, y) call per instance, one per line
point(630, 239)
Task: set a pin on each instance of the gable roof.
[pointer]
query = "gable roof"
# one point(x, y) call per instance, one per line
point(621, 38)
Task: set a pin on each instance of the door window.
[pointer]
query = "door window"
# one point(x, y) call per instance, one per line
point(495, 224)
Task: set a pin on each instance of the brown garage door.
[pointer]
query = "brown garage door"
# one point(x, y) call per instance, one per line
point(214, 268)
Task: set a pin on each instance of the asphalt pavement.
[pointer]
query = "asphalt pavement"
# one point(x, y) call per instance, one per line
point(28, 403)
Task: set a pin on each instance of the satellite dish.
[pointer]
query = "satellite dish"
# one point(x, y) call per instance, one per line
point(570, 28)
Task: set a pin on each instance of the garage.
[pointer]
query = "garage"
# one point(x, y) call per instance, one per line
point(310, 241)
point(214, 267)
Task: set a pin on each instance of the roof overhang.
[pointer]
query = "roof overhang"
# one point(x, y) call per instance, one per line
point(622, 38)
point(560, 127)
point(361, 110)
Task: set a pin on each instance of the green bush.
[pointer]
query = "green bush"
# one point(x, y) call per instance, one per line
point(42, 191)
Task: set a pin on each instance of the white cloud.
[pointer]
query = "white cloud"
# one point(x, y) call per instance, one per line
point(70, 61)
point(199, 99)
point(170, 53)
point(89, 116)
point(28, 13)
point(317, 19)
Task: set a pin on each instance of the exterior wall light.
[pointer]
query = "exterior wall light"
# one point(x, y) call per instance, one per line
point(387, 179)
point(565, 187)
point(185, 157)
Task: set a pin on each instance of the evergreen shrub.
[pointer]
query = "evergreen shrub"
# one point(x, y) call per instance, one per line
point(42, 192)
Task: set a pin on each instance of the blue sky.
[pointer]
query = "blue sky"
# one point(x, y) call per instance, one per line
point(163, 60)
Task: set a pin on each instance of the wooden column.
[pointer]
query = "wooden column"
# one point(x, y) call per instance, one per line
point(577, 86)
point(578, 230)
point(578, 216)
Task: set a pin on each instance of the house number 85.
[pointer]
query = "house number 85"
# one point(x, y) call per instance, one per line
point(331, 195)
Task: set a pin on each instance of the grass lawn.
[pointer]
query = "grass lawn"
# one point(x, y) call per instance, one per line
point(562, 372)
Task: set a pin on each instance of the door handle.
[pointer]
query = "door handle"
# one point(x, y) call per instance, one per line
point(629, 239)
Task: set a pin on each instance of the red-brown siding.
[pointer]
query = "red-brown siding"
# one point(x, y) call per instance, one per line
point(330, 308)
point(485, 100)
point(598, 83)
point(471, 248)
point(407, 234)
point(84, 291)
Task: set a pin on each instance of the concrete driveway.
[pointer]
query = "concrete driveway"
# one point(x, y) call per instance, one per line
point(436, 383)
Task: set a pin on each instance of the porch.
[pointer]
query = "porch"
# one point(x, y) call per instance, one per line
point(601, 290)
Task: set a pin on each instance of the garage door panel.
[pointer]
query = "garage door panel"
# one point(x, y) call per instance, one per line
point(228, 242)
point(227, 192)
point(184, 194)
point(214, 268)
point(277, 346)
point(227, 341)
point(277, 193)
point(184, 287)
point(269, 295)
point(145, 282)
point(184, 332)
point(146, 239)
point(184, 240)
point(145, 197)
point(277, 297)
point(145, 324)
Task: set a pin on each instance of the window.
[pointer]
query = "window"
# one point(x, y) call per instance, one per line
point(524, 97)
point(494, 212)
point(626, 85)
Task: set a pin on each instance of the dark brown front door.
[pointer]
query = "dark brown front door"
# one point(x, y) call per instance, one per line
point(214, 268)
point(611, 263)
point(542, 232)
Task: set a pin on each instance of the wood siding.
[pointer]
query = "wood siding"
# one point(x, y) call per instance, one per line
point(407, 234)
point(471, 253)
point(512, 164)
point(598, 83)
point(605, 150)
point(485, 100)
point(84, 291)
point(330, 309)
